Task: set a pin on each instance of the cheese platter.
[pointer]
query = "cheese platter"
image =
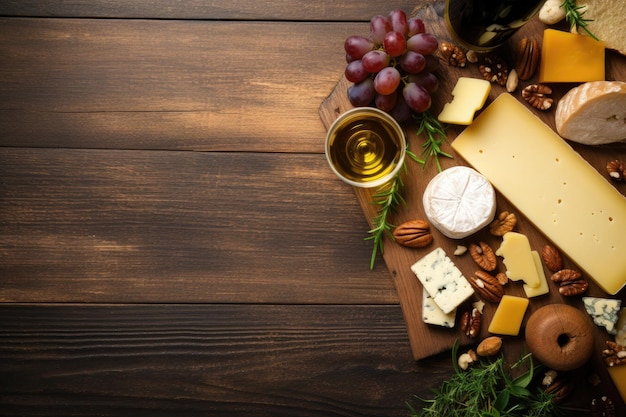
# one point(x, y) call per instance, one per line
point(528, 174)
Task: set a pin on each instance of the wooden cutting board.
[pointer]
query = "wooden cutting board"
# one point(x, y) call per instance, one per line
point(426, 339)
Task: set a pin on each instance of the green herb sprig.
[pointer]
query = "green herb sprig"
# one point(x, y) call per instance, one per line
point(435, 137)
point(487, 389)
point(574, 15)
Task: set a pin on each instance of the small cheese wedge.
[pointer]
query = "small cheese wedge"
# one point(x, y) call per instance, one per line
point(470, 95)
point(442, 280)
point(603, 311)
point(518, 259)
point(618, 375)
point(507, 320)
point(543, 287)
point(570, 57)
point(432, 314)
point(459, 201)
point(565, 197)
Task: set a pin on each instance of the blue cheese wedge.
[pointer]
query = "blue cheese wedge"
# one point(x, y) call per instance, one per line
point(442, 280)
point(432, 314)
point(604, 312)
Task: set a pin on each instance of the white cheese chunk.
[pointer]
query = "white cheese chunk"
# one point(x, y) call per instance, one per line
point(603, 311)
point(459, 202)
point(442, 280)
point(432, 314)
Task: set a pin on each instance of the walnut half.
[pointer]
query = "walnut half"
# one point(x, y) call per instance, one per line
point(537, 95)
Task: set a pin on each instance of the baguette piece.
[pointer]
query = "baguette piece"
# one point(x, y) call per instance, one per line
point(594, 113)
point(607, 21)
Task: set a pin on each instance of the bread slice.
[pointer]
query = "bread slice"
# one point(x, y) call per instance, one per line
point(593, 113)
point(607, 22)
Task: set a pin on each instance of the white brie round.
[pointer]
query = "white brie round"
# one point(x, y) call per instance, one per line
point(459, 201)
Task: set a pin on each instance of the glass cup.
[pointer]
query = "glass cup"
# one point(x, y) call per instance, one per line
point(483, 25)
point(365, 147)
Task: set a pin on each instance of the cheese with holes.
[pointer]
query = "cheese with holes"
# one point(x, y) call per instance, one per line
point(566, 198)
point(518, 259)
point(442, 280)
point(469, 95)
point(507, 320)
point(543, 287)
point(432, 314)
point(603, 311)
point(459, 202)
point(570, 57)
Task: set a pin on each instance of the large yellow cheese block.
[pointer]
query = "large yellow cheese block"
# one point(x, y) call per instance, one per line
point(570, 57)
point(552, 185)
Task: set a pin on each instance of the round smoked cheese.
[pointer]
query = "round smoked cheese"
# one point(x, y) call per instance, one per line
point(459, 201)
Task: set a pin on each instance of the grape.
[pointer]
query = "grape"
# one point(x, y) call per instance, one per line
point(387, 80)
point(416, 97)
point(416, 26)
point(355, 72)
point(386, 102)
point(424, 43)
point(394, 43)
point(357, 46)
point(401, 111)
point(379, 26)
point(374, 61)
point(412, 62)
point(361, 94)
point(398, 21)
point(428, 80)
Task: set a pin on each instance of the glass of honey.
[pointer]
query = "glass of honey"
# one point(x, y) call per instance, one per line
point(483, 25)
point(365, 147)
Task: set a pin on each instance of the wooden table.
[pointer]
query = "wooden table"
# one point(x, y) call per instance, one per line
point(172, 241)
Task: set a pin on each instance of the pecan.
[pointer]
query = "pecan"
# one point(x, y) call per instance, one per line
point(614, 354)
point(489, 346)
point(494, 69)
point(527, 57)
point(413, 234)
point(571, 282)
point(603, 407)
point(502, 278)
point(537, 96)
point(560, 388)
point(483, 255)
point(470, 322)
point(616, 170)
point(552, 258)
point(452, 54)
point(486, 286)
point(503, 224)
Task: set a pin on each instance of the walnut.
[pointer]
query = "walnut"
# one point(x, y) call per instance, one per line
point(452, 54)
point(537, 96)
point(571, 282)
point(603, 407)
point(483, 255)
point(503, 224)
point(616, 170)
point(494, 69)
point(413, 234)
point(614, 354)
point(527, 57)
point(552, 258)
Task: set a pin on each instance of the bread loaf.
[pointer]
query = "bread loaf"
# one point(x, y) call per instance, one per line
point(607, 21)
point(593, 113)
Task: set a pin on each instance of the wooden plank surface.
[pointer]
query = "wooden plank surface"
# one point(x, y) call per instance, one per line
point(426, 339)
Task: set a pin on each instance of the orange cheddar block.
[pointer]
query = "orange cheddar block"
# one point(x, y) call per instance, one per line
point(570, 57)
point(618, 375)
point(507, 320)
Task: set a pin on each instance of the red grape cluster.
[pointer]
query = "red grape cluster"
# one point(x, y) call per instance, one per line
point(393, 67)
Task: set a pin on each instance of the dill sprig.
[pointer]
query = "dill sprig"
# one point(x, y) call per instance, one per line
point(487, 389)
point(574, 15)
point(435, 137)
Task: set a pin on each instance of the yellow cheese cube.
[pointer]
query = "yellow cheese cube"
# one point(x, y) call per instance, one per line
point(543, 284)
point(508, 317)
point(470, 95)
point(618, 375)
point(570, 57)
point(518, 259)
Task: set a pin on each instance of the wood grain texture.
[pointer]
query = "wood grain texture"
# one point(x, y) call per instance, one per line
point(427, 339)
point(208, 360)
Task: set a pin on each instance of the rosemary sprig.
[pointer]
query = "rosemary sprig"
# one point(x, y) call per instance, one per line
point(435, 137)
point(575, 16)
point(488, 389)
